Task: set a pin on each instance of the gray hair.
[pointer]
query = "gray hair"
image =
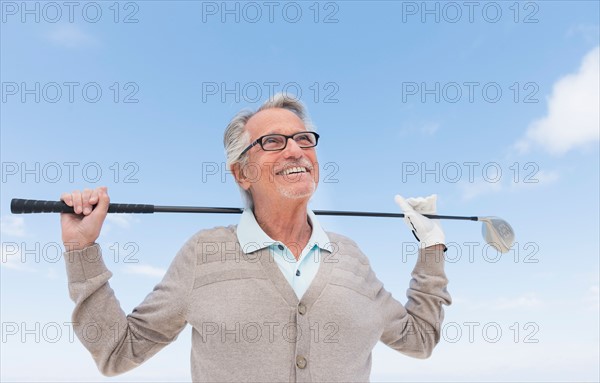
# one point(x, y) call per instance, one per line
point(236, 138)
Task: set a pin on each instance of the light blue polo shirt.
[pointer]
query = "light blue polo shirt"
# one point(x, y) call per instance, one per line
point(299, 274)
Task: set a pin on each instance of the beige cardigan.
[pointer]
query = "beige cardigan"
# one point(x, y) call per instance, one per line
point(248, 324)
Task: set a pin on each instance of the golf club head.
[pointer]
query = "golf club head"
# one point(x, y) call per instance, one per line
point(498, 233)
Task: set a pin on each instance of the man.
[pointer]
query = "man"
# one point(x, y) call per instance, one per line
point(275, 298)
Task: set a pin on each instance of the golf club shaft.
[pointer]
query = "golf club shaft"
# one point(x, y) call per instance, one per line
point(26, 206)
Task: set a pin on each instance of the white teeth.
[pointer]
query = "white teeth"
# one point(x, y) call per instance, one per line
point(296, 169)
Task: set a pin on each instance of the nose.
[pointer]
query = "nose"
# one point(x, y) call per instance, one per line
point(292, 149)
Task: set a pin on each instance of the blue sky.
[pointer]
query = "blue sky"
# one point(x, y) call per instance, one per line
point(494, 108)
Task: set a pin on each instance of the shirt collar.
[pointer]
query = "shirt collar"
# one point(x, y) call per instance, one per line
point(252, 237)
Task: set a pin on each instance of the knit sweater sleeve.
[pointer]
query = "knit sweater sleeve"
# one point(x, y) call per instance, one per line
point(120, 342)
point(414, 329)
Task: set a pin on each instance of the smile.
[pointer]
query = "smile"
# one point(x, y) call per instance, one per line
point(293, 170)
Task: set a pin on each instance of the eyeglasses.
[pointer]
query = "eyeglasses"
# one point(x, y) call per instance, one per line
point(275, 142)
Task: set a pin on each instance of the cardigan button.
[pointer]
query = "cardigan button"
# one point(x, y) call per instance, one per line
point(300, 361)
point(302, 309)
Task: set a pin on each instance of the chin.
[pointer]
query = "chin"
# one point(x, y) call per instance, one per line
point(297, 191)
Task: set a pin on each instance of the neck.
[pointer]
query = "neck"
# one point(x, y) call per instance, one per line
point(287, 223)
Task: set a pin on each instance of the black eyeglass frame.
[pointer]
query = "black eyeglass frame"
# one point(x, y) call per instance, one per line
point(260, 139)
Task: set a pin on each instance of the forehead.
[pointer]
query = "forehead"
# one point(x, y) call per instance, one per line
point(274, 120)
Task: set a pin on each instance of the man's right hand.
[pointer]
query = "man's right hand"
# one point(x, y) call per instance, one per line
point(81, 229)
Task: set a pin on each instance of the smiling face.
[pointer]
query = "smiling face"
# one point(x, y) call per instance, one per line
point(278, 176)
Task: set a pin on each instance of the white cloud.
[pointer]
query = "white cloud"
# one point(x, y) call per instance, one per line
point(122, 221)
point(52, 273)
point(479, 187)
point(541, 177)
point(429, 128)
point(11, 257)
point(13, 226)
point(529, 300)
point(69, 36)
point(525, 301)
point(146, 270)
point(547, 177)
point(573, 118)
point(506, 361)
point(544, 275)
point(588, 32)
point(424, 128)
point(593, 298)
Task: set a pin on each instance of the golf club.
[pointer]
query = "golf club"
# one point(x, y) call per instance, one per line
point(496, 231)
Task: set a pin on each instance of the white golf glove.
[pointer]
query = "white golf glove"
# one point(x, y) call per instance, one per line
point(428, 231)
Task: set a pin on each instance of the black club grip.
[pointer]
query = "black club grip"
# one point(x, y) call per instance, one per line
point(26, 206)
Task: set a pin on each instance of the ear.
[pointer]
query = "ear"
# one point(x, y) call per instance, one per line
point(240, 178)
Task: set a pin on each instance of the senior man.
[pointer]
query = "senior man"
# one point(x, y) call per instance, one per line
point(275, 298)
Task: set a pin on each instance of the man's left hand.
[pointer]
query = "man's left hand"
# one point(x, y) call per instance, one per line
point(428, 231)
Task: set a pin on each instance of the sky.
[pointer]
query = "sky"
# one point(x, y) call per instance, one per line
point(493, 106)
